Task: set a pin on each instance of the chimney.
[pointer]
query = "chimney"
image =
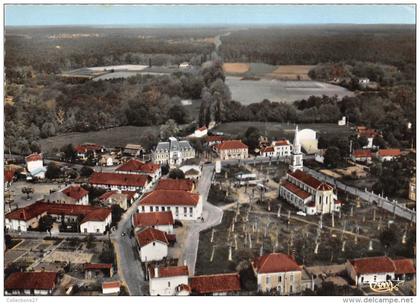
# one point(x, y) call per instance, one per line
point(156, 272)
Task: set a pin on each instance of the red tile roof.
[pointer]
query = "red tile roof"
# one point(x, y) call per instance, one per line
point(232, 145)
point(363, 153)
point(75, 191)
point(175, 184)
point(305, 178)
point(33, 157)
point(98, 215)
point(295, 189)
point(31, 280)
point(151, 235)
point(282, 142)
point(170, 198)
point(275, 262)
point(170, 271)
point(134, 165)
point(8, 175)
point(118, 179)
point(404, 266)
point(152, 219)
point(373, 265)
point(216, 283)
point(389, 152)
point(83, 148)
point(90, 266)
point(268, 149)
point(40, 208)
point(113, 284)
point(214, 138)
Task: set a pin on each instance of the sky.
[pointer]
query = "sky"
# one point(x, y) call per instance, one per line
point(211, 15)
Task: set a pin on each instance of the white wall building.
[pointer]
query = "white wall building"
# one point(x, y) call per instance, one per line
point(173, 152)
point(370, 270)
point(35, 165)
point(96, 222)
point(164, 281)
point(152, 244)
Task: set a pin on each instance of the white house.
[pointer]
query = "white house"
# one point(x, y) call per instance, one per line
point(152, 244)
point(30, 283)
point(184, 65)
point(278, 272)
point(232, 149)
point(183, 205)
point(111, 288)
point(96, 221)
point(342, 121)
point(388, 154)
point(162, 221)
point(368, 270)
point(124, 199)
point(267, 151)
point(35, 165)
point(165, 281)
point(192, 172)
point(200, 132)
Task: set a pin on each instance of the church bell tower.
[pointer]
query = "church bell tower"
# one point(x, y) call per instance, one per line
point(297, 158)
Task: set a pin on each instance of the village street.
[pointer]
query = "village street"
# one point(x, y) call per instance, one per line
point(212, 216)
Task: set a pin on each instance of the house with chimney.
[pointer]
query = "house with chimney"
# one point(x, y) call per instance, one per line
point(368, 270)
point(73, 194)
point(232, 149)
point(120, 181)
point(30, 283)
point(168, 281)
point(278, 272)
point(152, 244)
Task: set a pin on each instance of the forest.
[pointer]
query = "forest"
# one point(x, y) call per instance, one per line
point(386, 44)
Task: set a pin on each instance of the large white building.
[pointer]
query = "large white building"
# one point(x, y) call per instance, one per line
point(304, 191)
point(173, 152)
point(120, 181)
point(167, 281)
point(184, 205)
point(35, 165)
point(278, 148)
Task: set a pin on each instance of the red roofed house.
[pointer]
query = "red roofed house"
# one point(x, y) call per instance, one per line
point(388, 154)
point(152, 244)
point(167, 281)
point(232, 149)
point(84, 150)
point(362, 155)
point(111, 287)
point(30, 283)
point(279, 148)
point(134, 166)
point(119, 181)
point(212, 140)
point(370, 134)
point(267, 151)
point(73, 194)
point(379, 269)
point(162, 221)
point(183, 205)
point(278, 272)
point(200, 132)
point(124, 199)
point(216, 284)
point(9, 176)
point(176, 184)
point(93, 219)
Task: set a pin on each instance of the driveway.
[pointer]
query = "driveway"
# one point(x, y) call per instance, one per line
point(212, 217)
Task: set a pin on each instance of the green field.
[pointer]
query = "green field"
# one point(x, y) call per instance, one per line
point(114, 137)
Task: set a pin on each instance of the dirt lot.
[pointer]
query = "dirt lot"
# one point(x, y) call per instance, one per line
point(291, 72)
point(235, 68)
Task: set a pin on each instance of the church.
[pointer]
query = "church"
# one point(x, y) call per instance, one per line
point(304, 191)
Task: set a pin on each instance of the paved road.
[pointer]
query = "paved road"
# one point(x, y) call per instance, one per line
point(129, 265)
point(212, 217)
point(385, 203)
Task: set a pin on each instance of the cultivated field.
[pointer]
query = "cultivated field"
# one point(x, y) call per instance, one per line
point(253, 91)
point(291, 72)
point(235, 68)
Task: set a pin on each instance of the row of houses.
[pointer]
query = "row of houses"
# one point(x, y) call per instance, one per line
point(366, 155)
